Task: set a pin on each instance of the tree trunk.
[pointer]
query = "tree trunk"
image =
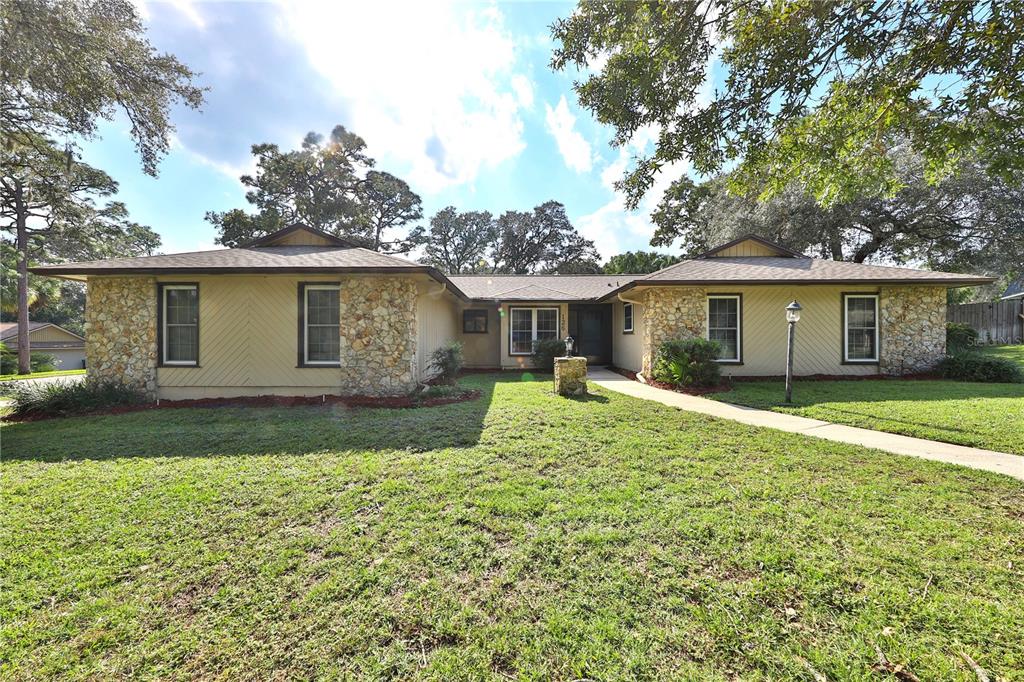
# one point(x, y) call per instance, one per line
point(24, 351)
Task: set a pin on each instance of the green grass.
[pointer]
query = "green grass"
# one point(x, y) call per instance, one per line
point(1014, 353)
point(39, 375)
point(520, 535)
point(987, 416)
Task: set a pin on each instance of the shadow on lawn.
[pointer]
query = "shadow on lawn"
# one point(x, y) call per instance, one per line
point(232, 431)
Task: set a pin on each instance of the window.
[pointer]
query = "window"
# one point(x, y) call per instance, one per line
point(627, 318)
point(321, 315)
point(474, 321)
point(860, 328)
point(724, 325)
point(179, 324)
point(531, 324)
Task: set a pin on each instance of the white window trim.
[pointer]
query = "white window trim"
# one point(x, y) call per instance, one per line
point(305, 326)
point(163, 304)
point(739, 325)
point(632, 323)
point(533, 325)
point(846, 330)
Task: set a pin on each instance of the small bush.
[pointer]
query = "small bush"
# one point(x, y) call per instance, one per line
point(58, 398)
point(39, 362)
point(978, 367)
point(688, 363)
point(447, 361)
point(544, 353)
point(960, 337)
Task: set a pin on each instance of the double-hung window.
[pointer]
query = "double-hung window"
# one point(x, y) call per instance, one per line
point(179, 324)
point(321, 326)
point(860, 328)
point(725, 325)
point(627, 318)
point(528, 325)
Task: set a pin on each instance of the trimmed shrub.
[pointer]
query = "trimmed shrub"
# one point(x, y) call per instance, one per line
point(978, 367)
point(447, 361)
point(960, 337)
point(544, 353)
point(689, 362)
point(58, 398)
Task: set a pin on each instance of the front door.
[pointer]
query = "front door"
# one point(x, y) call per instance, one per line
point(590, 326)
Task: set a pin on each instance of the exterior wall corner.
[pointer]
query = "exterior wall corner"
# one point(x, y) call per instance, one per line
point(120, 331)
point(671, 313)
point(912, 328)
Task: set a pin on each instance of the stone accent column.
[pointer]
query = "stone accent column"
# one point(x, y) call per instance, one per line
point(570, 376)
point(671, 313)
point(912, 329)
point(120, 331)
point(378, 336)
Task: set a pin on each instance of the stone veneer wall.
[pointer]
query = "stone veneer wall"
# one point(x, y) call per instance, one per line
point(913, 328)
point(120, 331)
point(378, 336)
point(671, 313)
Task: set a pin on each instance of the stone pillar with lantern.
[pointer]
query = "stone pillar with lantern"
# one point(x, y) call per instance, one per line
point(570, 372)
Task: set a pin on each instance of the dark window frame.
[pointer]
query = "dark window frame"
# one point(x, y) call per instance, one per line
point(476, 315)
point(160, 314)
point(632, 320)
point(301, 344)
point(843, 335)
point(738, 360)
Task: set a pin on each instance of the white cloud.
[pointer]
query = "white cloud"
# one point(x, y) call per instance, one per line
point(186, 8)
point(523, 89)
point(229, 170)
point(431, 87)
point(574, 148)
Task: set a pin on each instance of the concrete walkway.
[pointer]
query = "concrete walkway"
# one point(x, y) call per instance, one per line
point(976, 458)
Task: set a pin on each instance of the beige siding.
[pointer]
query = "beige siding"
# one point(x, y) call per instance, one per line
point(746, 248)
point(52, 334)
point(509, 361)
point(435, 319)
point(481, 350)
point(302, 238)
point(818, 347)
point(627, 349)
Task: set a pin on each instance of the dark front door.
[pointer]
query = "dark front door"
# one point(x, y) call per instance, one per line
point(591, 327)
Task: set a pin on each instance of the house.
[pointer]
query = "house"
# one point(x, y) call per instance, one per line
point(301, 312)
point(1014, 291)
point(66, 347)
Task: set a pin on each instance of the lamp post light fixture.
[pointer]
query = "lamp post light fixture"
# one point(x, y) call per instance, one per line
point(792, 317)
point(568, 346)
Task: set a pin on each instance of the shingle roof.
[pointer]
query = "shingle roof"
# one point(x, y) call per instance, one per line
point(8, 329)
point(539, 287)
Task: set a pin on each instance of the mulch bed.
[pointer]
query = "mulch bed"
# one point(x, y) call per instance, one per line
point(399, 402)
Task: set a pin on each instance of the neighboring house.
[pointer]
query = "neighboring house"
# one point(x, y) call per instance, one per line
point(43, 337)
point(1014, 291)
point(300, 312)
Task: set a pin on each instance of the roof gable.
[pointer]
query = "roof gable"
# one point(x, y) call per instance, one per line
point(751, 245)
point(9, 330)
point(298, 234)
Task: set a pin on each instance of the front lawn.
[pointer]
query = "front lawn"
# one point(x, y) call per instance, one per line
point(1014, 353)
point(987, 416)
point(40, 375)
point(520, 535)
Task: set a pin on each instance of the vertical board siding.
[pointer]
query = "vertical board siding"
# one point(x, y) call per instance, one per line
point(436, 324)
point(747, 248)
point(48, 334)
point(997, 322)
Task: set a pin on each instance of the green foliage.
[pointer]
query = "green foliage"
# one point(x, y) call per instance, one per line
point(544, 353)
point(327, 184)
point(688, 362)
point(813, 91)
point(960, 337)
point(447, 361)
point(98, 64)
point(638, 263)
point(542, 240)
point(459, 242)
point(39, 361)
point(971, 366)
point(60, 398)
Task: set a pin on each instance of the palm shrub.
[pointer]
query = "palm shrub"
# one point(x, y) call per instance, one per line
point(58, 398)
point(687, 362)
point(979, 367)
point(447, 361)
point(960, 337)
point(544, 353)
point(38, 361)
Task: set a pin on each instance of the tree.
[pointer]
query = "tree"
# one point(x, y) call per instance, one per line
point(638, 263)
point(969, 221)
point(543, 240)
point(327, 184)
point(458, 243)
point(67, 63)
point(48, 210)
point(812, 91)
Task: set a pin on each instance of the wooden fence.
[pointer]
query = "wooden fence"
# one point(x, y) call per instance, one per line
point(998, 322)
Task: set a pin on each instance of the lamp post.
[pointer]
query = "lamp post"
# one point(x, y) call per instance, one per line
point(792, 316)
point(568, 346)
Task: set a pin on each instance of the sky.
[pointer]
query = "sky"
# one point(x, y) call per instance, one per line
point(455, 98)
